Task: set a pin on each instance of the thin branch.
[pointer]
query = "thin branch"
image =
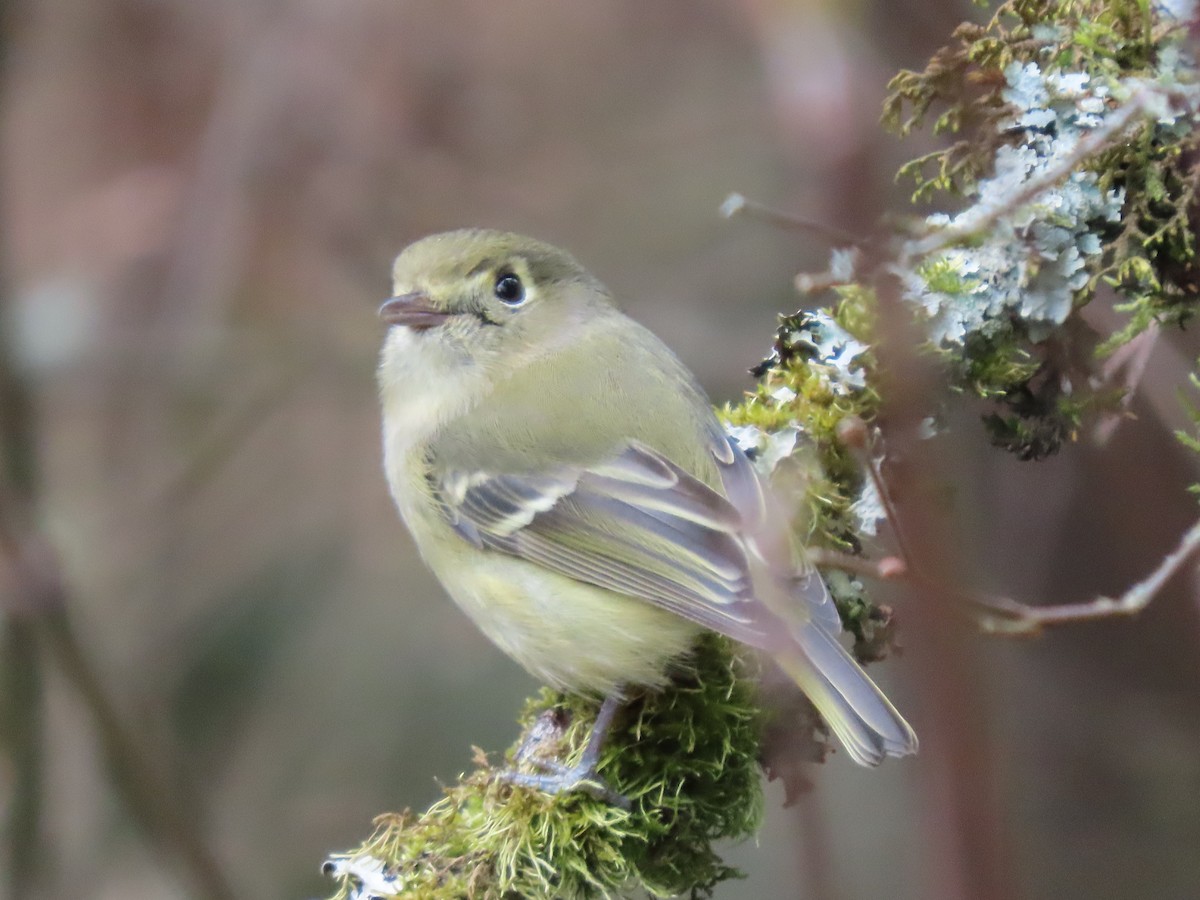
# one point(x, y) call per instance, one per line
point(214, 450)
point(816, 849)
point(1009, 617)
point(964, 835)
point(814, 282)
point(39, 602)
point(889, 568)
point(22, 703)
point(34, 600)
point(736, 205)
point(1002, 615)
point(1012, 618)
point(863, 441)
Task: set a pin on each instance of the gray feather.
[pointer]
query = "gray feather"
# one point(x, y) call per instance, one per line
point(636, 524)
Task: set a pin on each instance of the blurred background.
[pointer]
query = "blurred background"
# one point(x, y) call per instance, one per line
point(200, 206)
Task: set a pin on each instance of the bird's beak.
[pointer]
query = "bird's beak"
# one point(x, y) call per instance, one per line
point(414, 310)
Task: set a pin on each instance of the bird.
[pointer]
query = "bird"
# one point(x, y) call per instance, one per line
point(565, 478)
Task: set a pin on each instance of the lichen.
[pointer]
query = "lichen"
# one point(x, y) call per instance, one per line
point(817, 375)
point(1025, 91)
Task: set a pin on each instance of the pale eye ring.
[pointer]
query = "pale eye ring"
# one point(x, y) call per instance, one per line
point(508, 289)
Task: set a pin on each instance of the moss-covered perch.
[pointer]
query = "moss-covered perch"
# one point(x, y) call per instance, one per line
point(687, 759)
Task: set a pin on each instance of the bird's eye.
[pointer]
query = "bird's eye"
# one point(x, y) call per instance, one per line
point(509, 289)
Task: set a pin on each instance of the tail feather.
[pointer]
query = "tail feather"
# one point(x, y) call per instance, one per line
point(855, 709)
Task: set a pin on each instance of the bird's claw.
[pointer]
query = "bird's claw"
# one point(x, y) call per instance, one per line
point(560, 779)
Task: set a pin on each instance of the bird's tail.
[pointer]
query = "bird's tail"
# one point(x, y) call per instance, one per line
point(856, 711)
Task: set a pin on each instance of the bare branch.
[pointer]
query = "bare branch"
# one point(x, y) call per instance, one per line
point(1009, 617)
point(1012, 618)
point(736, 205)
point(34, 599)
point(999, 614)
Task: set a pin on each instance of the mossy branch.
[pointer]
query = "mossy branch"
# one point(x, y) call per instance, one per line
point(686, 759)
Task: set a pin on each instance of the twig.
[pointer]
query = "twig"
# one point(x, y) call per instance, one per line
point(215, 449)
point(22, 685)
point(1003, 615)
point(34, 603)
point(862, 441)
point(815, 282)
point(963, 833)
point(736, 205)
point(40, 603)
point(21, 721)
point(816, 849)
point(889, 568)
point(1014, 618)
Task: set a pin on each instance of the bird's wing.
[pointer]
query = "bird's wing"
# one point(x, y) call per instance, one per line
point(635, 523)
point(801, 592)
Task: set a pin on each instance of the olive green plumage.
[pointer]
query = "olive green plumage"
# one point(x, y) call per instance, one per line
point(563, 475)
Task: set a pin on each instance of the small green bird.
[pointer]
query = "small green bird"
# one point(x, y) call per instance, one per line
point(563, 475)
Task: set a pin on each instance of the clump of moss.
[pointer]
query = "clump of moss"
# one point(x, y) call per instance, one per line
point(685, 758)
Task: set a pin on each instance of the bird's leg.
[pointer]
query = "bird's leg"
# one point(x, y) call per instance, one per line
point(558, 778)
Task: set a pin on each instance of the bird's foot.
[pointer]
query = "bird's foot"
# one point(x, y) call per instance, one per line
point(559, 778)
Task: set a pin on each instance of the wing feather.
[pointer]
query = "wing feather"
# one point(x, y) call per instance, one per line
point(767, 535)
point(637, 524)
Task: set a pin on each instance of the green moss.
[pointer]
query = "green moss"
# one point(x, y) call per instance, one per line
point(1151, 260)
point(686, 758)
point(941, 275)
point(996, 364)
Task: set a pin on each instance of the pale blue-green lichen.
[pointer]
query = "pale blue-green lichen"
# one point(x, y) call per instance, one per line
point(1027, 260)
point(816, 374)
point(1076, 171)
point(830, 354)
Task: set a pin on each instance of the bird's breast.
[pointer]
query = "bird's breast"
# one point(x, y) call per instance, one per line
point(571, 635)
